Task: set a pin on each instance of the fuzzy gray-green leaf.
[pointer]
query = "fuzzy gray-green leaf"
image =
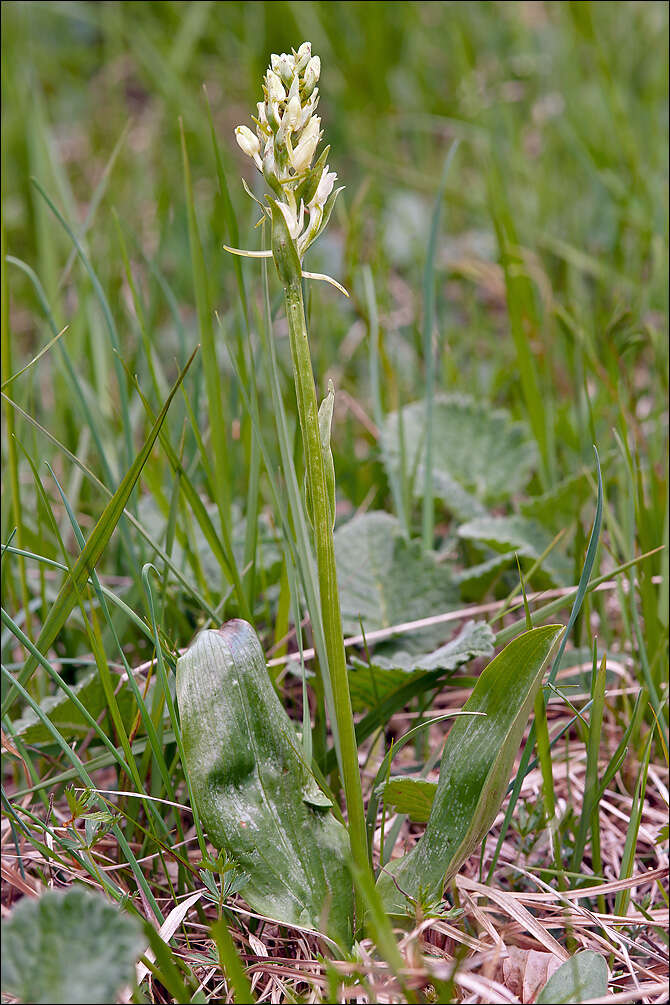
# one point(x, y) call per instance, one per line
point(479, 455)
point(372, 682)
point(526, 537)
point(386, 579)
point(255, 792)
point(69, 947)
point(477, 761)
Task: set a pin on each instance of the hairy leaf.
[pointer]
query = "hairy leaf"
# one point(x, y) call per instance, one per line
point(69, 947)
point(516, 533)
point(386, 579)
point(479, 455)
point(370, 683)
point(63, 712)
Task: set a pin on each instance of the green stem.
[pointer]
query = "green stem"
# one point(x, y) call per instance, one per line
point(325, 560)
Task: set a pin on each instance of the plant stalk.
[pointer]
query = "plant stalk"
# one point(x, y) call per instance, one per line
point(325, 559)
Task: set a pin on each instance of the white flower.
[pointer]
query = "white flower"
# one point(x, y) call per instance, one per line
point(276, 91)
point(285, 69)
point(247, 141)
point(287, 135)
point(302, 56)
point(293, 114)
point(325, 187)
point(294, 221)
point(312, 74)
point(302, 155)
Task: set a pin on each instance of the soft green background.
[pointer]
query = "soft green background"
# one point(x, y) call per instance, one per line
point(561, 113)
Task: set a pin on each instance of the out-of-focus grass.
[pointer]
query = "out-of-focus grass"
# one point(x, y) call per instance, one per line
point(561, 113)
point(550, 277)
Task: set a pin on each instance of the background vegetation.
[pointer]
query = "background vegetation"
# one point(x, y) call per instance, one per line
point(542, 291)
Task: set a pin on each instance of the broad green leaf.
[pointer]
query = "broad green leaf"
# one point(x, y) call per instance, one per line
point(75, 582)
point(371, 682)
point(477, 761)
point(386, 579)
point(561, 504)
point(582, 977)
point(255, 792)
point(475, 581)
point(71, 947)
point(479, 455)
point(411, 795)
point(526, 537)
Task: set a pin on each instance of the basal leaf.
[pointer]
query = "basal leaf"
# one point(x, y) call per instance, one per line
point(411, 795)
point(69, 948)
point(255, 792)
point(386, 579)
point(582, 977)
point(526, 537)
point(477, 761)
point(479, 455)
point(371, 682)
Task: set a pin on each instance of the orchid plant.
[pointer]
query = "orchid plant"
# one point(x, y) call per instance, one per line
point(283, 148)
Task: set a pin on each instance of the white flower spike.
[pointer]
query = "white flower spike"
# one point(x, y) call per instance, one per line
point(283, 148)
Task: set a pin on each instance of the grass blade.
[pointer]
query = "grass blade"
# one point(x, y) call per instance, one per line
point(95, 546)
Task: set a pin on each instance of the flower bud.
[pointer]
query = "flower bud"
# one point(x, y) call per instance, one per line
point(303, 56)
point(303, 153)
point(312, 74)
point(285, 69)
point(293, 114)
point(248, 141)
point(272, 114)
point(275, 87)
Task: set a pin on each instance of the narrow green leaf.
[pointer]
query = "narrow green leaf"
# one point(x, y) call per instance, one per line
point(89, 556)
point(592, 779)
point(428, 513)
point(210, 364)
point(231, 963)
point(106, 311)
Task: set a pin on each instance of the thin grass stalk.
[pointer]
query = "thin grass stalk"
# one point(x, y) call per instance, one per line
point(428, 511)
point(12, 460)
